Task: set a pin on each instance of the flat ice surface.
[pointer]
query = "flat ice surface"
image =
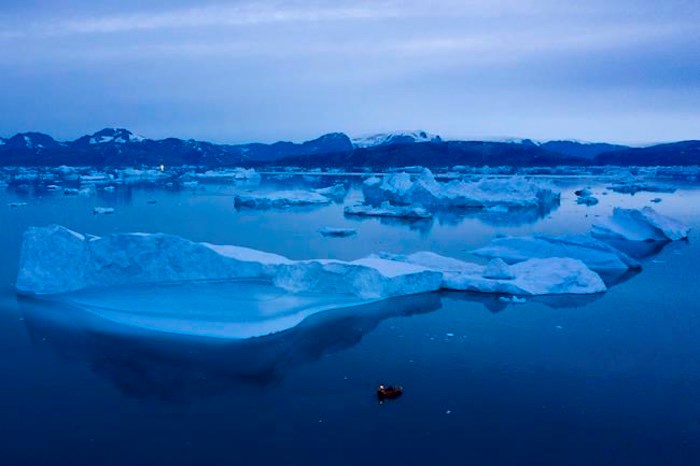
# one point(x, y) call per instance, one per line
point(597, 255)
point(553, 275)
point(640, 225)
point(388, 210)
point(225, 309)
point(280, 199)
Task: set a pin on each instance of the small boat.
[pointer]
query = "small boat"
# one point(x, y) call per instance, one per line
point(389, 392)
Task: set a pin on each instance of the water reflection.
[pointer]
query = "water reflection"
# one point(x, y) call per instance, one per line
point(493, 303)
point(152, 365)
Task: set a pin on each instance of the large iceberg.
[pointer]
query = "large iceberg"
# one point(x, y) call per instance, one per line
point(280, 199)
point(402, 189)
point(55, 259)
point(597, 255)
point(640, 225)
point(553, 275)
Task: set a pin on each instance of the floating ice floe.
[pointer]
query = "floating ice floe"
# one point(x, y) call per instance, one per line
point(337, 232)
point(234, 173)
point(585, 197)
point(640, 225)
point(280, 199)
point(513, 192)
point(553, 275)
point(635, 187)
point(55, 259)
point(597, 255)
point(337, 191)
point(587, 200)
point(388, 210)
point(512, 300)
point(134, 175)
point(84, 191)
point(103, 210)
point(17, 204)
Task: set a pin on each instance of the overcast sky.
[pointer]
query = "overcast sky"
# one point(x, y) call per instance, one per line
point(614, 70)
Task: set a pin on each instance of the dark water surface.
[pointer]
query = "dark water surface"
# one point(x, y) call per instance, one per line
point(612, 379)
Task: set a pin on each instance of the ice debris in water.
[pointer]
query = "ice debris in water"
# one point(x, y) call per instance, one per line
point(640, 225)
point(17, 204)
point(388, 210)
point(585, 197)
point(337, 232)
point(103, 210)
point(512, 299)
point(402, 189)
point(633, 187)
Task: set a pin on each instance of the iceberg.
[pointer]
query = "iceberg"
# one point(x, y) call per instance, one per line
point(597, 255)
point(553, 275)
point(513, 192)
point(103, 210)
point(388, 210)
point(280, 199)
point(57, 260)
point(640, 225)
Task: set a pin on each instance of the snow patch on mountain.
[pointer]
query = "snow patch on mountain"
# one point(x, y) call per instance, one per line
point(399, 137)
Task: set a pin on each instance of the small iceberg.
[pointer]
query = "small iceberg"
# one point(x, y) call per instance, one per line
point(336, 192)
point(640, 225)
point(103, 210)
point(338, 232)
point(17, 204)
point(597, 255)
point(280, 199)
point(635, 187)
point(388, 210)
point(587, 200)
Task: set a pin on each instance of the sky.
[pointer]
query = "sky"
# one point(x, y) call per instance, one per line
point(239, 71)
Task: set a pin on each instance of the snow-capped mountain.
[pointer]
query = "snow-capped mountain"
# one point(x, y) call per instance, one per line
point(111, 135)
point(30, 141)
point(399, 137)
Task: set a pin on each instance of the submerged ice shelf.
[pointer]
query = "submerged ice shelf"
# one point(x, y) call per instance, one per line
point(219, 309)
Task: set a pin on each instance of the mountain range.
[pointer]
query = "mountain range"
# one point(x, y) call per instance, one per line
point(121, 147)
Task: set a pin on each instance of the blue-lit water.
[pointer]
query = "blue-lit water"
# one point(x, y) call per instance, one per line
point(603, 380)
